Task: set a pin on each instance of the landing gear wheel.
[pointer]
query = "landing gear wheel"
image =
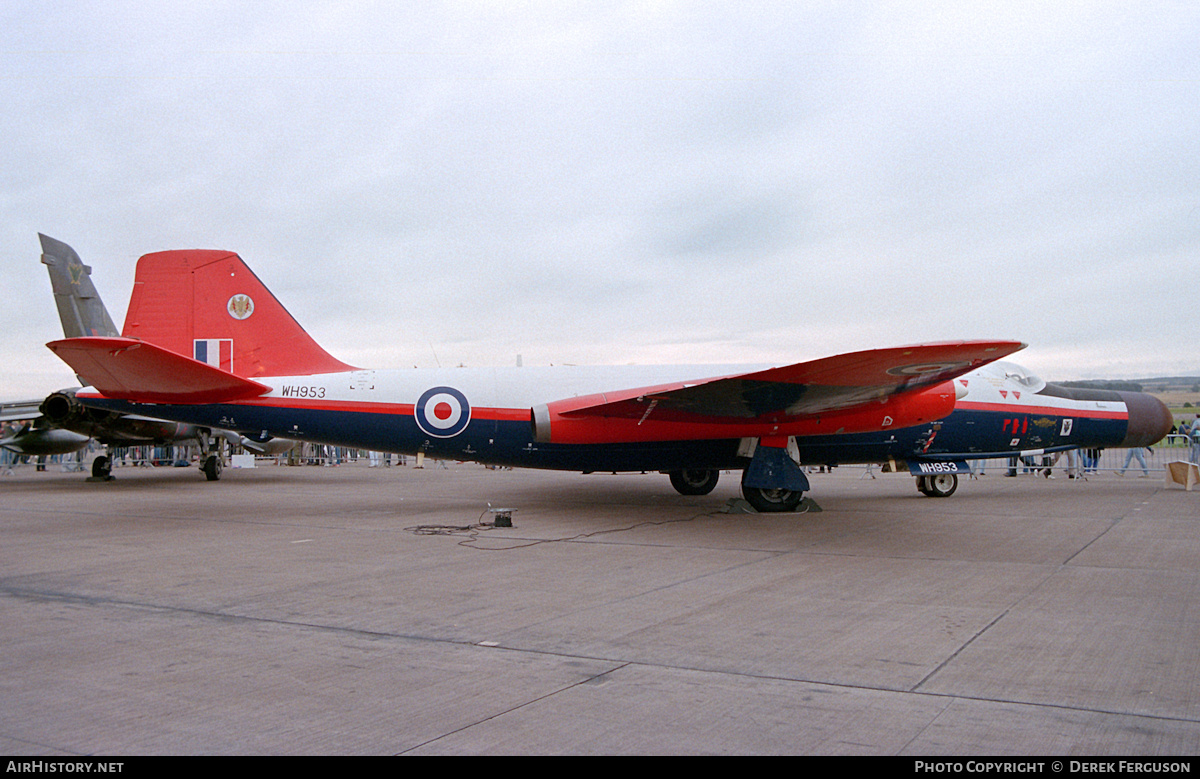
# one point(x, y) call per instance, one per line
point(766, 500)
point(942, 485)
point(212, 467)
point(694, 482)
point(923, 486)
point(102, 467)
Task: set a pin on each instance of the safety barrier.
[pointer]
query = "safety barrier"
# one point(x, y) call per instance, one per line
point(1111, 461)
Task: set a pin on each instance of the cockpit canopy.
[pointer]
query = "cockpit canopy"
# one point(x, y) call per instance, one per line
point(1012, 373)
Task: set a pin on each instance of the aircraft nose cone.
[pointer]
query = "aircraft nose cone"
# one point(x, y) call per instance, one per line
point(1149, 419)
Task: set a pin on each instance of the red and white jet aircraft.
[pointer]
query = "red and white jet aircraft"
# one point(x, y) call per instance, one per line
point(235, 359)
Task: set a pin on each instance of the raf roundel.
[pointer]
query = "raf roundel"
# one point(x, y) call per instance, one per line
point(920, 369)
point(442, 412)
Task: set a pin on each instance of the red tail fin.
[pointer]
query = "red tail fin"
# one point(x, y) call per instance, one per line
point(208, 305)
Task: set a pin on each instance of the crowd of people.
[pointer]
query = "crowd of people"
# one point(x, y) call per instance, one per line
point(1190, 432)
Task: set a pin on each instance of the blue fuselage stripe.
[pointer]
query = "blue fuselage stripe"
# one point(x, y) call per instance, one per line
point(962, 434)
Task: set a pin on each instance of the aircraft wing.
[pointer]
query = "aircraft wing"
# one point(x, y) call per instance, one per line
point(128, 369)
point(803, 389)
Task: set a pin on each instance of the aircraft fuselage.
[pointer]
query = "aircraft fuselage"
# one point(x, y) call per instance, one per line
point(486, 415)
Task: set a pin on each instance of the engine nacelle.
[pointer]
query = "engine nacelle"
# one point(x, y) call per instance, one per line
point(568, 422)
point(63, 409)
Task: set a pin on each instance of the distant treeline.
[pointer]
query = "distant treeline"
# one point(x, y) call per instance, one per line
point(1122, 386)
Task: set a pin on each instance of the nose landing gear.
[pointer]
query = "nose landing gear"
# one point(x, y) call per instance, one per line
point(940, 485)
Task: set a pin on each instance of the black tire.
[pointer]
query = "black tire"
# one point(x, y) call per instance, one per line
point(772, 500)
point(694, 482)
point(102, 467)
point(212, 467)
point(942, 485)
point(923, 486)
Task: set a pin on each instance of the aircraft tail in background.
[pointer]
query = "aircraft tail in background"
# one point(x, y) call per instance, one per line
point(79, 305)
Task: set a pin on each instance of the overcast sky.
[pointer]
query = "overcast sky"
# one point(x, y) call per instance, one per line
point(610, 182)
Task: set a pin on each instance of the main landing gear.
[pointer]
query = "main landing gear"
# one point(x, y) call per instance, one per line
point(102, 467)
point(211, 459)
point(702, 482)
point(773, 481)
point(765, 500)
point(210, 454)
point(694, 482)
point(941, 485)
point(212, 467)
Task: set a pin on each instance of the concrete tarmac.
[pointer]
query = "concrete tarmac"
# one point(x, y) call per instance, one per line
point(344, 610)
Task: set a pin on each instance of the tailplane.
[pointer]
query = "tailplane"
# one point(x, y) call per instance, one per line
point(209, 305)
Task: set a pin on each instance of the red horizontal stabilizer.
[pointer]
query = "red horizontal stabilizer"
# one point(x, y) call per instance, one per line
point(128, 369)
point(807, 388)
